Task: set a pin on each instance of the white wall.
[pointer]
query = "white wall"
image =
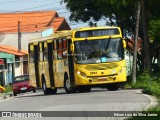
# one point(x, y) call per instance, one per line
point(12, 39)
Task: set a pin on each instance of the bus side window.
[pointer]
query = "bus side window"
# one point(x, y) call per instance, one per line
point(60, 49)
point(54, 50)
point(40, 52)
point(31, 53)
point(65, 48)
point(45, 52)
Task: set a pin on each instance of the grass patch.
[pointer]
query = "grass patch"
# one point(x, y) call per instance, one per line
point(149, 84)
point(8, 88)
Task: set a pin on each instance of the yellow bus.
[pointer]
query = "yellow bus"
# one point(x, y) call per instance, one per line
point(78, 59)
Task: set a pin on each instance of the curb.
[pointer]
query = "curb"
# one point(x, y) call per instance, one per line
point(153, 99)
point(5, 95)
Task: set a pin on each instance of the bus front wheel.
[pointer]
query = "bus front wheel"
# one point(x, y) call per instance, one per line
point(113, 87)
point(82, 89)
point(68, 87)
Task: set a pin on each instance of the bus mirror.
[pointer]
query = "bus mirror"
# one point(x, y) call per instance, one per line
point(124, 43)
point(72, 47)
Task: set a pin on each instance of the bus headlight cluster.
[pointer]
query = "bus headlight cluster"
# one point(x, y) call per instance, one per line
point(81, 73)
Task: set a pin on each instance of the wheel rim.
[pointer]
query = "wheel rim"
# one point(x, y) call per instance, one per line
point(68, 85)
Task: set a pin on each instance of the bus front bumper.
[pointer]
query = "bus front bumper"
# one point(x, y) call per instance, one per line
point(95, 80)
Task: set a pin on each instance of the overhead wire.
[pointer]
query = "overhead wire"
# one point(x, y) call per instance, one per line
point(51, 4)
point(20, 1)
point(60, 12)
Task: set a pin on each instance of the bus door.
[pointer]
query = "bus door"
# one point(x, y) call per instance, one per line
point(45, 64)
point(36, 65)
point(70, 63)
point(50, 62)
point(31, 66)
point(58, 66)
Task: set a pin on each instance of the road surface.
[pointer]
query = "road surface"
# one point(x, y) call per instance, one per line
point(97, 100)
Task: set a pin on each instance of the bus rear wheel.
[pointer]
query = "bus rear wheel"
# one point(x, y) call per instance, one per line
point(68, 87)
point(44, 87)
point(53, 91)
point(113, 87)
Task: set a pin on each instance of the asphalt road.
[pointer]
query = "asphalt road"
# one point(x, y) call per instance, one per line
point(97, 100)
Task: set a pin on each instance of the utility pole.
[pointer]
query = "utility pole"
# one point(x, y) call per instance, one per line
point(135, 46)
point(19, 37)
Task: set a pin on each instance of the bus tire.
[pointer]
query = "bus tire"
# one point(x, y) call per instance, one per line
point(122, 85)
point(53, 91)
point(44, 87)
point(88, 89)
point(67, 86)
point(34, 90)
point(113, 87)
point(82, 89)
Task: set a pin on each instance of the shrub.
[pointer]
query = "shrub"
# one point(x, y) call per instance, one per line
point(8, 88)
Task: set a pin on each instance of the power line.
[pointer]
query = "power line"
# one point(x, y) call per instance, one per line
point(37, 6)
point(82, 3)
point(20, 1)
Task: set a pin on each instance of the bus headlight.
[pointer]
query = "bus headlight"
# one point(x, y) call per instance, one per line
point(81, 73)
point(78, 72)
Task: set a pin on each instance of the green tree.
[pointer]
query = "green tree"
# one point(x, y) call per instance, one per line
point(116, 12)
point(119, 13)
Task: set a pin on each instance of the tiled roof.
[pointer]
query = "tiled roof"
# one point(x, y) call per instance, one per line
point(29, 21)
point(56, 23)
point(60, 23)
point(12, 50)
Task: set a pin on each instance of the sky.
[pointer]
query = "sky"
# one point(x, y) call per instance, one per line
point(39, 5)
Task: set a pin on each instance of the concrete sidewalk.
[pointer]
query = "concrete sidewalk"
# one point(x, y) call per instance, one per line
point(5, 95)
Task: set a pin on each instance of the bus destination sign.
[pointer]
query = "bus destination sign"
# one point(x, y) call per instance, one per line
point(95, 33)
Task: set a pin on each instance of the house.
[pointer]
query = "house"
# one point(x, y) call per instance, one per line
point(16, 29)
point(14, 63)
point(30, 24)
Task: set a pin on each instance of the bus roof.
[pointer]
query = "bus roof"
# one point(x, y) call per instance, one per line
point(68, 33)
point(93, 28)
point(57, 34)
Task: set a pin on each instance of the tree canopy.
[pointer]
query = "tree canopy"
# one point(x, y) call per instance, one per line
point(118, 12)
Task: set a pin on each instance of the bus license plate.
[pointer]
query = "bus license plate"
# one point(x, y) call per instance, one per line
point(102, 79)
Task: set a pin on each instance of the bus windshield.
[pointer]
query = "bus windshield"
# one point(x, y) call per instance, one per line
point(99, 51)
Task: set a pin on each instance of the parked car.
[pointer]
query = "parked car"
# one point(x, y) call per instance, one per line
point(20, 84)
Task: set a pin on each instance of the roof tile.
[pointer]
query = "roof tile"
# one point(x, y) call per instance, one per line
point(12, 50)
point(29, 21)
